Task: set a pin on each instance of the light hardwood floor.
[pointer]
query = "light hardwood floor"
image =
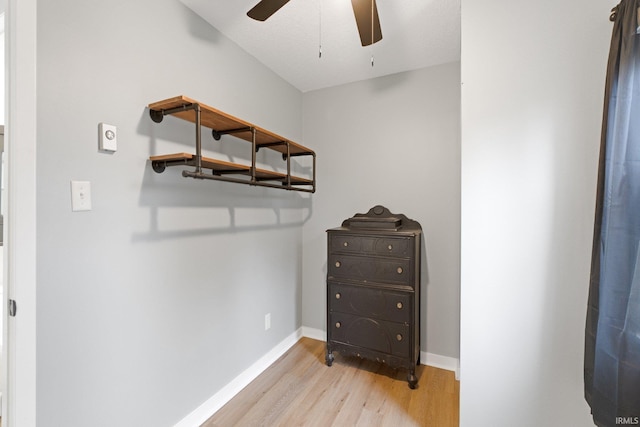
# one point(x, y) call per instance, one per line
point(300, 390)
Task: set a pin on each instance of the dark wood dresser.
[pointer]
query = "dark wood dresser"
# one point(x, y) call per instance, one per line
point(373, 289)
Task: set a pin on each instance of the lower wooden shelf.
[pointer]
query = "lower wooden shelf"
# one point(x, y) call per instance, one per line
point(220, 169)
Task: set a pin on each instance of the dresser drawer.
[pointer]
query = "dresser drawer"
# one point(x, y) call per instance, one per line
point(378, 335)
point(371, 269)
point(374, 245)
point(382, 304)
point(345, 243)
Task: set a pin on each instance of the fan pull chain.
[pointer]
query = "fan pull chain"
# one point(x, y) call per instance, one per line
point(372, 35)
point(319, 29)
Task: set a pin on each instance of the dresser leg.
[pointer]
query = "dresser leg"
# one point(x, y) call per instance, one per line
point(329, 358)
point(412, 379)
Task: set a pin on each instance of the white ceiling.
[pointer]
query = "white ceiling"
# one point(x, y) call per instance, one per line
point(416, 34)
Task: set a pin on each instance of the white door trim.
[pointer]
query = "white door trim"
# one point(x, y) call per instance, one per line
point(19, 406)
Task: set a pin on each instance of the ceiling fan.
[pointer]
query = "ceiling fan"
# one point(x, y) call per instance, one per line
point(365, 11)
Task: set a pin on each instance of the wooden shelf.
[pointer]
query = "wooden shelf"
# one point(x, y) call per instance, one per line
point(220, 124)
point(220, 167)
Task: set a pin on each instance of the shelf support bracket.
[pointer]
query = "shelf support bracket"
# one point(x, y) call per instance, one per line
point(253, 155)
point(198, 139)
point(217, 134)
point(288, 166)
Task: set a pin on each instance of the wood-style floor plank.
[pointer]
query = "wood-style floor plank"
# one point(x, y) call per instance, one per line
point(300, 390)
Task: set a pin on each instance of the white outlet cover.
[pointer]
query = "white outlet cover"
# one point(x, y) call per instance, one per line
point(80, 196)
point(108, 140)
point(267, 321)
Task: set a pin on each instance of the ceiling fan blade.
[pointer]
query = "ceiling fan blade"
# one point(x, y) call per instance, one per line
point(265, 9)
point(366, 13)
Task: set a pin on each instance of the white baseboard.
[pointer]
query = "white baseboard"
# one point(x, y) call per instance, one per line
point(442, 362)
point(313, 333)
point(218, 400)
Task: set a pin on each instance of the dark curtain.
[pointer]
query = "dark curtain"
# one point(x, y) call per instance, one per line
point(612, 339)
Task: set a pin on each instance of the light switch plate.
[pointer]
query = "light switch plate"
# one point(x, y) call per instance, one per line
point(80, 196)
point(108, 140)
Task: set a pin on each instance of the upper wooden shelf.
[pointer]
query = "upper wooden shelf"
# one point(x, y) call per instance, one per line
point(220, 124)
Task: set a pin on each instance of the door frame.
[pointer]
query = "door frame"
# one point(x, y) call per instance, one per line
point(19, 333)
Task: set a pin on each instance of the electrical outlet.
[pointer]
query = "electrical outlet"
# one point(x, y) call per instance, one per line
point(267, 321)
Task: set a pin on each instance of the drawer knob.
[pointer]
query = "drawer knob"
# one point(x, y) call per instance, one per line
point(399, 270)
point(338, 296)
point(390, 247)
point(338, 324)
point(399, 337)
point(338, 264)
point(345, 244)
point(399, 305)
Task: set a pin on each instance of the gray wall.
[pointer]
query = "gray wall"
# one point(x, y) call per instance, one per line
point(533, 85)
point(154, 300)
point(393, 141)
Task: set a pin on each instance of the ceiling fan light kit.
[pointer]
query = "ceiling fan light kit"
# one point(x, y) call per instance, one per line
point(365, 12)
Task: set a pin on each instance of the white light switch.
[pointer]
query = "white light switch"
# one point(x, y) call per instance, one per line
point(80, 196)
point(108, 140)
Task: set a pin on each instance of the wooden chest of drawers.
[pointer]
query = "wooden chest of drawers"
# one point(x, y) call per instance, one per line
point(373, 289)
